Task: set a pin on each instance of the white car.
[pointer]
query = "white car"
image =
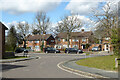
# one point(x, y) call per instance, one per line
point(95, 49)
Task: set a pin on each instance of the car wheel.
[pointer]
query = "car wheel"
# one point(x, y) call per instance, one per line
point(46, 51)
point(67, 52)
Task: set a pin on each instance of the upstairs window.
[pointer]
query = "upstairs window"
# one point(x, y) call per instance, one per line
point(75, 40)
point(63, 40)
point(36, 41)
point(83, 39)
point(107, 38)
point(52, 40)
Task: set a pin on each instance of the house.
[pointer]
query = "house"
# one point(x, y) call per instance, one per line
point(35, 41)
point(104, 44)
point(78, 40)
point(2, 39)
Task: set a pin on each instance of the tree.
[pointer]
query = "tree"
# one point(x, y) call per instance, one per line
point(107, 20)
point(23, 29)
point(68, 24)
point(35, 31)
point(108, 25)
point(11, 39)
point(42, 22)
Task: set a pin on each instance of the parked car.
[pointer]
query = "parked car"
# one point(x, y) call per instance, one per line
point(95, 48)
point(73, 50)
point(19, 50)
point(51, 50)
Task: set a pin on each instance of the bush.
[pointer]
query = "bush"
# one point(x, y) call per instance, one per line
point(8, 48)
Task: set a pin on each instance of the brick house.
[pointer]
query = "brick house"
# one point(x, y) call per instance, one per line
point(77, 40)
point(2, 39)
point(35, 41)
point(104, 44)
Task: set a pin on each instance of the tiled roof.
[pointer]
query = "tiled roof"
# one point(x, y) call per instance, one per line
point(38, 37)
point(75, 34)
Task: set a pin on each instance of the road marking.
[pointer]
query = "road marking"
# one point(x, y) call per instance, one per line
point(58, 65)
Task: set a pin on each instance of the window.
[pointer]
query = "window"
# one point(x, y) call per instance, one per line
point(36, 41)
point(58, 46)
point(52, 40)
point(63, 40)
point(65, 46)
point(77, 40)
point(36, 47)
point(75, 46)
point(73, 40)
point(107, 38)
point(58, 39)
point(83, 39)
point(30, 41)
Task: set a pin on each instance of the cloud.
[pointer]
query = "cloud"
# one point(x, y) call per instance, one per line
point(88, 24)
point(82, 7)
point(22, 6)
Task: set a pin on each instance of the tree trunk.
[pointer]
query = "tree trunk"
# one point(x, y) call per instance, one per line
point(24, 44)
point(68, 37)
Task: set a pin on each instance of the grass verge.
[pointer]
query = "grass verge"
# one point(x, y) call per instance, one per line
point(15, 57)
point(102, 62)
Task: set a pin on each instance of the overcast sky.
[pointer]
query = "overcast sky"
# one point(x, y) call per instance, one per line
point(14, 11)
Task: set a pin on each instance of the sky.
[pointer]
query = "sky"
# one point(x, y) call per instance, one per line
point(14, 11)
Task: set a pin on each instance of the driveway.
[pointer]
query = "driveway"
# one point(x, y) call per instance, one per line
point(44, 67)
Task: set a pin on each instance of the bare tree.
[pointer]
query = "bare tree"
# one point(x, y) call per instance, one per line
point(107, 20)
point(108, 24)
point(23, 29)
point(42, 22)
point(68, 24)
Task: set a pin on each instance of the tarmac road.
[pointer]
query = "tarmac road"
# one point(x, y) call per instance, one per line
point(44, 67)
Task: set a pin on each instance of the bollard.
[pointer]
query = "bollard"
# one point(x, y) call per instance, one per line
point(116, 63)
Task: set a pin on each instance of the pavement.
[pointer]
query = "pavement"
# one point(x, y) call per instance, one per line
point(16, 60)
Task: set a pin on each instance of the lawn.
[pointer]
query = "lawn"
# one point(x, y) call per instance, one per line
point(16, 57)
point(102, 62)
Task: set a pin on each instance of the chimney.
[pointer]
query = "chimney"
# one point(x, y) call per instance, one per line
point(82, 30)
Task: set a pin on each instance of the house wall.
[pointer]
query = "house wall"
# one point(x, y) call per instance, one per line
point(2, 41)
point(50, 42)
point(47, 43)
point(73, 43)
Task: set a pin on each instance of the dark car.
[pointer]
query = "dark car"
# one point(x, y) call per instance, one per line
point(19, 50)
point(73, 50)
point(51, 50)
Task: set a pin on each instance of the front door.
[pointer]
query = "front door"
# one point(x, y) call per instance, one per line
point(107, 47)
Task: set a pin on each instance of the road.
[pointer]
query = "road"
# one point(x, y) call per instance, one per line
point(44, 67)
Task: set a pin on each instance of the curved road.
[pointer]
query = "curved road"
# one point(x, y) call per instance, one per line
point(44, 67)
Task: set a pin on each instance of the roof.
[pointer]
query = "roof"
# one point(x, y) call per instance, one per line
point(75, 34)
point(2, 25)
point(38, 37)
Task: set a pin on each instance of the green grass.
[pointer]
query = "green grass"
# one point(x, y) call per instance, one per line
point(16, 57)
point(102, 62)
